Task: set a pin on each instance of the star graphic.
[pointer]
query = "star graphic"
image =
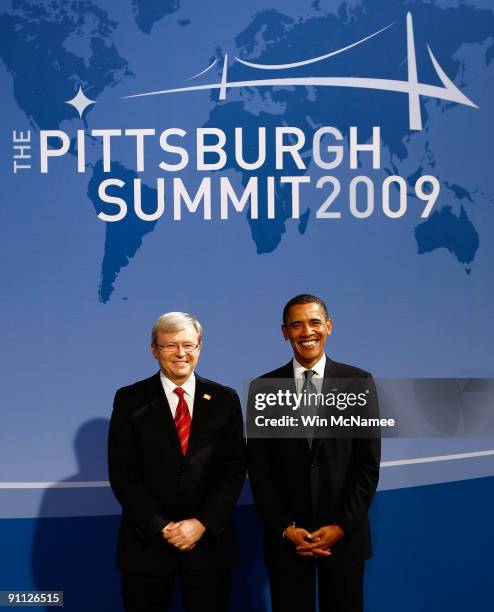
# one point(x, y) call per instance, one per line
point(80, 102)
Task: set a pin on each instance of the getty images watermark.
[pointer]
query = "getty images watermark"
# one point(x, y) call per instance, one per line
point(340, 408)
point(280, 408)
point(309, 406)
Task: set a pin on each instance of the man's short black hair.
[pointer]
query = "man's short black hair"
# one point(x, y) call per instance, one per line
point(305, 298)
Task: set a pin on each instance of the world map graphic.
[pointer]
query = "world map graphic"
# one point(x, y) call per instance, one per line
point(52, 48)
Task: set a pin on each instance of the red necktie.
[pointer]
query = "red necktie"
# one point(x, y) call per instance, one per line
point(182, 419)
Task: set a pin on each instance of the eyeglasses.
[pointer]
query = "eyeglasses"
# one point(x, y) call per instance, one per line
point(173, 347)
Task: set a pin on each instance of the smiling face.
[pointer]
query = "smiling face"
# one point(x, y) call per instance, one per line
point(177, 364)
point(307, 329)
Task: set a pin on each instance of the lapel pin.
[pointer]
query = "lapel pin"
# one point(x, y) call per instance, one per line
point(206, 396)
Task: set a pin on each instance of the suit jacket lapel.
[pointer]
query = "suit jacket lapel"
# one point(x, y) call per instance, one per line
point(160, 408)
point(329, 373)
point(200, 412)
point(161, 411)
point(286, 372)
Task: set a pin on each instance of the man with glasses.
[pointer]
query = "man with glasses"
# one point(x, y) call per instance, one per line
point(313, 493)
point(177, 465)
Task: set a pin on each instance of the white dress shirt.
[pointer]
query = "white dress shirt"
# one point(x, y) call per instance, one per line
point(189, 386)
point(317, 379)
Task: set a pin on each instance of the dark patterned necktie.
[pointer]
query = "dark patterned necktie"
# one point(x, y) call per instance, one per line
point(182, 419)
point(309, 405)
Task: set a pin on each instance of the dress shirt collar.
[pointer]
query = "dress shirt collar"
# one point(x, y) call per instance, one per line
point(298, 370)
point(189, 386)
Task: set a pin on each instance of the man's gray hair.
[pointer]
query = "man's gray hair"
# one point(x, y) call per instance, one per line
point(175, 322)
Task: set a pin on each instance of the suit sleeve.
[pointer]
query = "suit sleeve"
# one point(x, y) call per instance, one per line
point(264, 489)
point(126, 481)
point(219, 505)
point(267, 499)
point(363, 477)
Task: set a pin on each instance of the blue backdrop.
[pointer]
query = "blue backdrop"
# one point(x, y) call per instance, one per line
point(410, 292)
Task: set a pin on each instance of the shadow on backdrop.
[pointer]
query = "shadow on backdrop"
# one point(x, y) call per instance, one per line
point(74, 546)
point(74, 550)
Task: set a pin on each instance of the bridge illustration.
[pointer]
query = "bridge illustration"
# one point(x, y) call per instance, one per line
point(411, 87)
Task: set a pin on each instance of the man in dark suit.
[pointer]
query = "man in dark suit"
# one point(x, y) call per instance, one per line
point(176, 456)
point(313, 494)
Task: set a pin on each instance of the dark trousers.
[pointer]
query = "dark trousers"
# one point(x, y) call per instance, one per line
point(293, 586)
point(152, 593)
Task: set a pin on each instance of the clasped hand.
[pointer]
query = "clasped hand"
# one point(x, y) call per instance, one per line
point(316, 544)
point(184, 535)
